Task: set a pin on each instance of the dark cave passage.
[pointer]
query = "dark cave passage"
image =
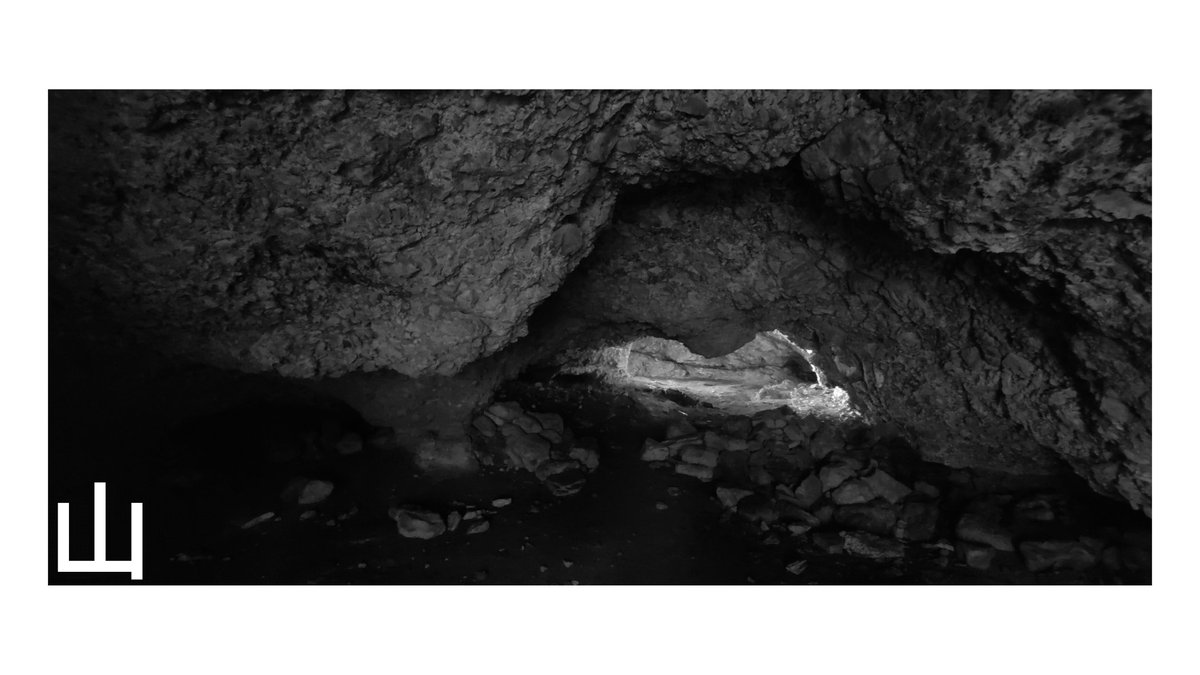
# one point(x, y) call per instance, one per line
point(586, 480)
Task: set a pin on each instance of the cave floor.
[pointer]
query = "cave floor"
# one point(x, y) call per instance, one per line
point(629, 525)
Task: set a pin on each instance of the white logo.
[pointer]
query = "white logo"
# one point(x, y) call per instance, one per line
point(101, 564)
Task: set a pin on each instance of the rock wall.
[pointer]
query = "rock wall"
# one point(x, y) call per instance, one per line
point(986, 281)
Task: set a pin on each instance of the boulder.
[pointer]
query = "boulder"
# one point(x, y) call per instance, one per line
point(782, 469)
point(758, 509)
point(1061, 554)
point(566, 483)
point(830, 543)
point(884, 485)
point(736, 445)
point(1036, 509)
point(856, 491)
point(315, 492)
point(790, 513)
point(587, 457)
point(730, 497)
point(809, 491)
point(527, 424)
point(417, 523)
point(504, 411)
point(446, 456)
point(704, 456)
point(699, 471)
point(549, 422)
point(679, 429)
point(980, 529)
point(554, 467)
point(877, 517)
point(983, 525)
point(714, 441)
point(526, 451)
point(265, 517)
point(867, 545)
point(825, 442)
point(838, 471)
point(824, 513)
point(799, 528)
point(737, 427)
point(653, 451)
point(917, 522)
point(485, 426)
point(926, 490)
point(976, 556)
point(794, 433)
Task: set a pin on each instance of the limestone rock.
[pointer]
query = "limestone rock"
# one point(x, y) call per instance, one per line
point(883, 485)
point(653, 451)
point(314, 492)
point(977, 556)
point(714, 442)
point(258, 520)
point(983, 524)
point(790, 513)
point(703, 456)
point(737, 427)
point(1036, 509)
point(698, 471)
point(554, 467)
point(454, 455)
point(1049, 555)
point(809, 491)
point(838, 471)
point(549, 422)
point(587, 457)
point(527, 424)
point(526, 451)
point(917, 522)
point(926, 490)
point(830, 543)
point(730, 497)
point(878, 517)
point(680, 429)
point(758, 509)
point(417, 523)
point(568, 481)
point(867, 545)
point(505, 411)
point(856, 491)
point(825, 442)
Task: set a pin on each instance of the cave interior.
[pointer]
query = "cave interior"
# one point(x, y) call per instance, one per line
point(606, 337)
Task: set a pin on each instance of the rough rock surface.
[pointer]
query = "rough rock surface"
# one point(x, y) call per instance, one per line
point(974, 266)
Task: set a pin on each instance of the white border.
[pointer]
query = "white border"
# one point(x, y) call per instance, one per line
point(610, 44)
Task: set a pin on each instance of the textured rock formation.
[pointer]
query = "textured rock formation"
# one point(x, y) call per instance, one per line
point(764, 360)
point(977, 266)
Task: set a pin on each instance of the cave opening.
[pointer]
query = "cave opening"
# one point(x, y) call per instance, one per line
point(767, 372)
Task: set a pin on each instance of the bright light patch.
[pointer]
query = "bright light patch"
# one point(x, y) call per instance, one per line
point(758, 376)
